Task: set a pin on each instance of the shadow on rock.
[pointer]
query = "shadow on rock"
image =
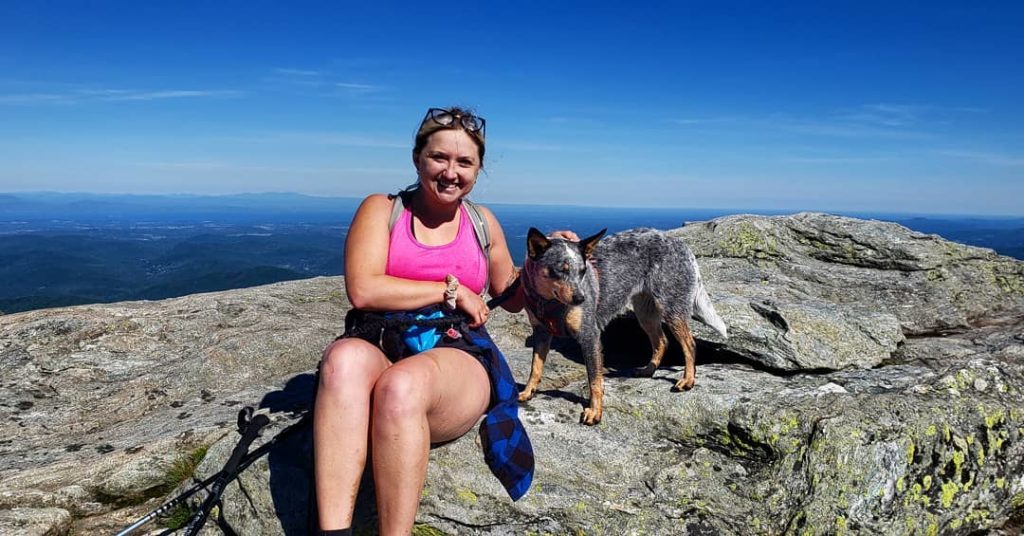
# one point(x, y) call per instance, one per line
point(296, 396)
point(291, 461)
point(290, 464)
point(626, 346)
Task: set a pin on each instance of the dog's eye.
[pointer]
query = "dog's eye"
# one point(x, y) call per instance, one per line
point(583, 270)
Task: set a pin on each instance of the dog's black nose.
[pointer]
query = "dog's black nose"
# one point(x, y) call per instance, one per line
point(577, 298)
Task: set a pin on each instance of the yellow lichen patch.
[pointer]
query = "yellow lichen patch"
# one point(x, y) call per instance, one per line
point(963, 378)
point(931, 431)
point(995, 440)
point(1007, 278)
point(466, 495)
point(911, 449)
point(958, 461)
point(969, 483)
point(916, 495)
point(977, 516)
point(995, 418)
point(949, 490)
point(840, 525)
point(749, 241)
point(926, 483)
point(426, 530)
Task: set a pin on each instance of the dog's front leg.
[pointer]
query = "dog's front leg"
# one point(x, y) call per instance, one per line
point(541, 345)
point(593, 355)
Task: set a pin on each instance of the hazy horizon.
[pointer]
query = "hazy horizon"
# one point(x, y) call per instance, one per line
point(729, 210)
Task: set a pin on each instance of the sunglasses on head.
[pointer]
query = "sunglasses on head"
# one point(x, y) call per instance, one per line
point(448, 118)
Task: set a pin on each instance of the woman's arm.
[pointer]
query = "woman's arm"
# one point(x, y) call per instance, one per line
point(502, 272)
point(366, 257)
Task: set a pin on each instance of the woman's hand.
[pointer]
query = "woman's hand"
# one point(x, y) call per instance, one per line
point(566, 234)
point(473, 305)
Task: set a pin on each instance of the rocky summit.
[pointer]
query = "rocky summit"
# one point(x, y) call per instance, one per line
point(872, 383)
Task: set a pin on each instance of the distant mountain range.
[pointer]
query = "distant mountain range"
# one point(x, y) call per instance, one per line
point(68, 249)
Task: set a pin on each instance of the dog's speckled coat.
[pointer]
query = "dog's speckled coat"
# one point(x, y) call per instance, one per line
point(579, 287)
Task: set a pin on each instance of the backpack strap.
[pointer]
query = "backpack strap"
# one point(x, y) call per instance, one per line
point(483, 236)
point(476, 217)
point(398, 205)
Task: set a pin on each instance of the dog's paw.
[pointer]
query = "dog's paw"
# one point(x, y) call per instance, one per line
point(684, 384)
point(644, 372)
point(526, 394)
point(590, 416)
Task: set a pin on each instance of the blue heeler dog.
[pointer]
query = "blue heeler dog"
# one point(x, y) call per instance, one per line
point(576, 288)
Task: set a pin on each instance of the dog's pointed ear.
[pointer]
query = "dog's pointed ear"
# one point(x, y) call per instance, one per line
point(588, 244)
point(536, 243)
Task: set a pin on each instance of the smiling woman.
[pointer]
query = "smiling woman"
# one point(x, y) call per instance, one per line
point(396, 399)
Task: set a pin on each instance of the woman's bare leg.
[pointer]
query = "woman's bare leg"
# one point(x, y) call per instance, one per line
point(349, 369)
point(430, 397)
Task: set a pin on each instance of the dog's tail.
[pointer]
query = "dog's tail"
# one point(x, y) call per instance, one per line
point(704, 310)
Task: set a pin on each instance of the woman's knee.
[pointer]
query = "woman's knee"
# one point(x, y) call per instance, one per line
point(400, 392)
point(349, 364)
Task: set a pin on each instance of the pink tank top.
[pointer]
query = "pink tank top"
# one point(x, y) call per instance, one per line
point(462, 257)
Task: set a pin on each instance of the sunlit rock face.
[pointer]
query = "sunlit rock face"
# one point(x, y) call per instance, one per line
point(872, 383)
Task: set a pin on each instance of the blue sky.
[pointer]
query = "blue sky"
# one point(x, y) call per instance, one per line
point(910, 107)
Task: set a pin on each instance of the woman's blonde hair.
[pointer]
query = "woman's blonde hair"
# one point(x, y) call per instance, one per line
point(429, 126)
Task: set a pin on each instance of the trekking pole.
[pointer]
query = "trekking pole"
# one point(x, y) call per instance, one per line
point(246, 461)
point(167, 506)
point(249, 427)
